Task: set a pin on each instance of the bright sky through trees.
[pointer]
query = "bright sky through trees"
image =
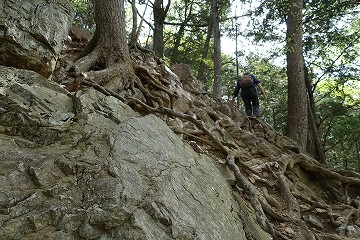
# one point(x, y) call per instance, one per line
point(246, 44)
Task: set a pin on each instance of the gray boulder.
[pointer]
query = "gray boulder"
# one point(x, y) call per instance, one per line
point(32, 33)
point(33, 107)
point(105, 172)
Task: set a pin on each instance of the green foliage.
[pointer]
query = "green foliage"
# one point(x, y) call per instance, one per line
point(181, 16)
point(339, 113)
point(229, 76)
point(189, 21)
point(331, 48)
point(84, 14)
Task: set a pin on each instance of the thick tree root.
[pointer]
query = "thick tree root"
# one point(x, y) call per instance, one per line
point(290, 213)
point(254, 198)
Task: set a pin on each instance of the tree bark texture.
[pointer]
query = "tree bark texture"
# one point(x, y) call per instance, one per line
point(217, 50)
point(110, 32)
point(297, 121)
point(133, 36)
point(201, 74)
point(106, 59)
point(159, 19)
point(314, 146)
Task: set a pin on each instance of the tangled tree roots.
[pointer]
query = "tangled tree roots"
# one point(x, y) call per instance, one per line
point(292, 195)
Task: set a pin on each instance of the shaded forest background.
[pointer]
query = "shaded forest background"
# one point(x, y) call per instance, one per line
point(183, 32)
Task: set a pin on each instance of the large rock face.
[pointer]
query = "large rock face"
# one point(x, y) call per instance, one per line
point(32, 33)
point(103, 171)
point(87, 166)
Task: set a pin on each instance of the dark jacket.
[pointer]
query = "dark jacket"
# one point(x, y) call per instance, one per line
point(246, 91)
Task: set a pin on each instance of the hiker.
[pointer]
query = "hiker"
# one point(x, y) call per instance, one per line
point(249, 84)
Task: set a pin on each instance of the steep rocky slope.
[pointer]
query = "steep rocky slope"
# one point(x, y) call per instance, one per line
point(160, 159)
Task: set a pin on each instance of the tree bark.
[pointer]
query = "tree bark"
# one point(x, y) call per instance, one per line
point(133, 36)
point(106, 59)
point(201, 74)
point(159, 19)
point(314, 146)
point(297, 121)
point(217, 50)
point(109, 44)
point(110, 29)
point(236, 51)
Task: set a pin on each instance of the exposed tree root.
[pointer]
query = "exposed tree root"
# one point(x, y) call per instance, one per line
point(194, 137)
point(254, 198)
point(271, 200)
point(292, 214)
point(311, 165)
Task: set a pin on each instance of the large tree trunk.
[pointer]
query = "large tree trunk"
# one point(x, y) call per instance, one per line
point(110, 29)
point(297, 122)
point(217, 50)
point(109, 44)
point(106, 58)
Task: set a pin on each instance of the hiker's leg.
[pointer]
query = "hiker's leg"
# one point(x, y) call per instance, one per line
point(256, 106)
point(248, 106)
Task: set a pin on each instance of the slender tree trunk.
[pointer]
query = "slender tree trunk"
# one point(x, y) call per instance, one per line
point(180, 33)
point(135, 31)
point(314, 146)
point(273, 118)
point(201, 74)
point(159, 19)
point(133, 36)
point(345, 159)
point(236, 51)
point(297, 122)
point(217, 50)
point(358, 156)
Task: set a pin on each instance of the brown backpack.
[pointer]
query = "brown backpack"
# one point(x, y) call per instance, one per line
point(246, 81)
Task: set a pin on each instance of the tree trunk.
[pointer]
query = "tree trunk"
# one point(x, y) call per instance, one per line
point(180, 33)
point(201, 74)
point(297, 121)
point(133, 36)
point(110, 31)
point(236, 51)
point(142, 20)
point(358, 156)
point(109, 44)
point(314, 146)
point(159, 19)
point(106, 59)
point(217, 50)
